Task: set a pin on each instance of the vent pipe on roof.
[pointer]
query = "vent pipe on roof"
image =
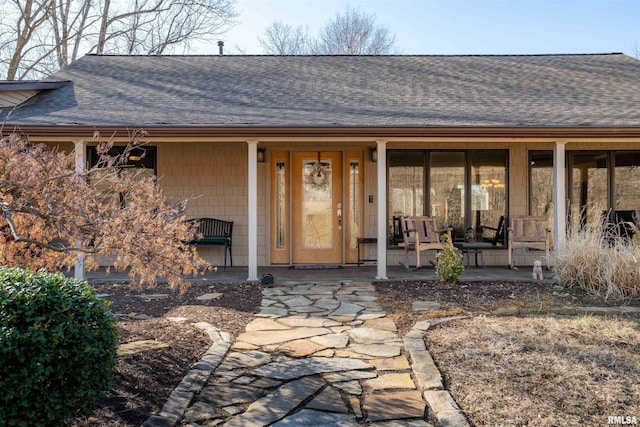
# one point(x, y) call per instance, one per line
point(220, 47)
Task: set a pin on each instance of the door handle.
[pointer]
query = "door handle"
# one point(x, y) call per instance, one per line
point(339, 212)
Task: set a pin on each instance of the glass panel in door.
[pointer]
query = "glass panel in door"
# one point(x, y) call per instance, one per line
point(353, 211)
point(317, 208)
point(317, 204)
point(280, 218)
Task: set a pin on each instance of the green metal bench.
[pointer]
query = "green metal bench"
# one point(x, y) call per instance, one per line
point(214, 232)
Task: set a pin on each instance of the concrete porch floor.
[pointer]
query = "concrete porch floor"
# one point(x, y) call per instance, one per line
point(351, 273)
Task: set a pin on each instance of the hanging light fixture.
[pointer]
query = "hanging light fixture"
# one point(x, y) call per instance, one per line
point(261, 155)
point(373, 154)
point(136, 154)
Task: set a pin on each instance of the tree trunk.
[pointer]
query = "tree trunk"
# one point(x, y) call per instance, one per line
point(102, 36)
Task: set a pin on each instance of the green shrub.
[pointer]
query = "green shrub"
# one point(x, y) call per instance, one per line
point(449, 266)
point(58, 344)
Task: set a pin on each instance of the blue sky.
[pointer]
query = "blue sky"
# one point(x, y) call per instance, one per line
point(459, 26)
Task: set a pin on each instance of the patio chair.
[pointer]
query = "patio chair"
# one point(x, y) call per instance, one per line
point(396, 237)
point(528, 232)
point(625, 223)
point(497, 235)
point(420, 234)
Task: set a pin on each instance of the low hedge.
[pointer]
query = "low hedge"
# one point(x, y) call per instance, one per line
point(58, 344)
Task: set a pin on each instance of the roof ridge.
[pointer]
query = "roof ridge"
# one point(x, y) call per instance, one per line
point(362, 56)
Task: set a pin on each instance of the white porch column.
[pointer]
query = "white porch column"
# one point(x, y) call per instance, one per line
point(559, 195)
point(252, 211)
point(381, 147)
point(80, 152)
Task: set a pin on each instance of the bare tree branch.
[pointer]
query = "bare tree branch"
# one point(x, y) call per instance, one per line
point(39, 36)
point(351, 33)
point(354, 33)
point(150, 23)
point(33, 15)
point(283, 39)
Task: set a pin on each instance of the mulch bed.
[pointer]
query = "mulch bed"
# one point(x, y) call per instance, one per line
point(477, 297)
point(143, 381)
point(239, 298)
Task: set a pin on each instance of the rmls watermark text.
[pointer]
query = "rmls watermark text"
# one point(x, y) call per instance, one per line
point(622, 420)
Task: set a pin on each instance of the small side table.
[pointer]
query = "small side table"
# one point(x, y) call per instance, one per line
point(361, 241)
point(475, 248)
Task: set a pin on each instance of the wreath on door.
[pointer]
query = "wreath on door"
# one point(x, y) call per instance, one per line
point(319, 175)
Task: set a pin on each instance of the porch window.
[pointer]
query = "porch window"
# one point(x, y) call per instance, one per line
point(488, 188)
point(406, 188)
point(140, 158)
point(600, 183)
point(141, 164)
point(589, 187)
point(627, 186)
point(541, 186)
point(465, 188)
point(446, 189)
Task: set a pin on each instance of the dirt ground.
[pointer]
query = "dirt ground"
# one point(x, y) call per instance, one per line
point(143, 381)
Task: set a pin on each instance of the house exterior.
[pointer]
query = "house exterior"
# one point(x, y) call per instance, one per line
point(308, 153)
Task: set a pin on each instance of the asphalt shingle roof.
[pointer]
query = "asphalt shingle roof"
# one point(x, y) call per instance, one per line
point(523, 90)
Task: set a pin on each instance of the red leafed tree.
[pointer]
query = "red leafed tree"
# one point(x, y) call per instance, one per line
point(50, 214)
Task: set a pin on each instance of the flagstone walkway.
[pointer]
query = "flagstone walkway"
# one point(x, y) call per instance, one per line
point(316, 354)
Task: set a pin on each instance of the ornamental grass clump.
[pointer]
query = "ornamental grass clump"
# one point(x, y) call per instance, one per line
point(449, 266)
point(58, 344)
point(600, 261)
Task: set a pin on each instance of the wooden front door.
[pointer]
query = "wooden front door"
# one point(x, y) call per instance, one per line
point(317, 208)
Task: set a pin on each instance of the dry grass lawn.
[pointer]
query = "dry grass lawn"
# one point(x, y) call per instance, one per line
point(541, 371)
